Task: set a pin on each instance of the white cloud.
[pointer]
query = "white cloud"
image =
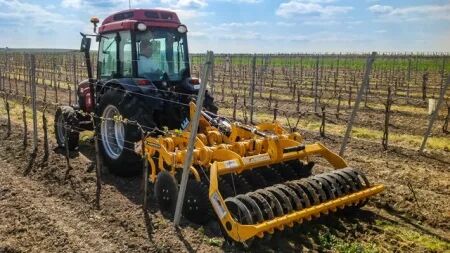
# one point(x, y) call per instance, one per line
point(242, 1)
point(381, 9)
point(34, 15)
point(72, 4)
point(182, 4)
point(250, 1)
point(187, 14)
point(412, 13)
point(288, 24)
point(321, 8)
point(247, 35)
point(102, 6)
point(244, 24)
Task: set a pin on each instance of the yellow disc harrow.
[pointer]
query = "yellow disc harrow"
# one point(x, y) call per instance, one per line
point(257, 178)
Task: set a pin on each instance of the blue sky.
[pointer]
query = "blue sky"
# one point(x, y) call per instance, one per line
point(247, 26)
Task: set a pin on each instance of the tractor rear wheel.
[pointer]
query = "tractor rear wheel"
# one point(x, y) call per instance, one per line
point(66, 120)
point(117, 138)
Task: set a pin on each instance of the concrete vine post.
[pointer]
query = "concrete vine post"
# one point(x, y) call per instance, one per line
point(434, 115)
point(25, 125)
point(33, 102)
point(252, 88)
point(271, 88)
point(98, 161)
point(55, 84)
point(212, 77)
point(74, 69)
point(192, 136)
point(66, 147)
point(338, 107)
point(364, 85)
point(144, 167)
point(315, 85)
point(45, 130)
point(235, 98)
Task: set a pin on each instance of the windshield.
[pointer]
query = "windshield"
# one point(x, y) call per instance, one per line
point(161, 54)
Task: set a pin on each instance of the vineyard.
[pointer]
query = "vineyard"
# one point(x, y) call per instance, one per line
point(390, 130)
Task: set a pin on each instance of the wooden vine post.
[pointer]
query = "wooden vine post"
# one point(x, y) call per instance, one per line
point(235, 99)
point(424, 85)
point(322, 124)
point(275, 111)
point(8, 114)
point(447, 118)
point(387, 115)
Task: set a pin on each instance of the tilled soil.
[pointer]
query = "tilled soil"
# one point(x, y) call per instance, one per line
point(45, 211)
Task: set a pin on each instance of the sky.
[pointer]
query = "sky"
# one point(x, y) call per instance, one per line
point(247, 26)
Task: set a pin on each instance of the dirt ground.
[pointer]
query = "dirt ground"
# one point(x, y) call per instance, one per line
point(43, 211)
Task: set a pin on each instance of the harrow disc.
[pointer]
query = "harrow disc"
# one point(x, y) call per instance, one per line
point(305, 202)
point(270, 174)
point(360, 179)
point(281, 199)
point(166, 192)
point(292, 195)
point(196, 207)
point(274, 203)
point(238, 183)
point(318, 191)
point(257, 214)
point(309, 190)
point(286, 172)
point(263, 205)
point(241, 213)
point(225, 189)
point(255, 179)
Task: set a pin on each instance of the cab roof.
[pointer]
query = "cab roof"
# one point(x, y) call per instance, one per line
point(127, 20)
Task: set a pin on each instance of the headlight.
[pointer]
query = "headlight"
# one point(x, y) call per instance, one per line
point(182, 29)
point(141, 27)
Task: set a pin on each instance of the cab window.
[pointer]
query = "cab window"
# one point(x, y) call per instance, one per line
point(107, 58)
point(110, 65)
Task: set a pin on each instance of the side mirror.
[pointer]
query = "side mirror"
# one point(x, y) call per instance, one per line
point(85, 44)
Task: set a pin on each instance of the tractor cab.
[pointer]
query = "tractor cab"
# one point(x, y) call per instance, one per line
point(141, 49)
point(143, 44)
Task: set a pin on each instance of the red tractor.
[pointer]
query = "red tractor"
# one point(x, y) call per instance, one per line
point(143, 75)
